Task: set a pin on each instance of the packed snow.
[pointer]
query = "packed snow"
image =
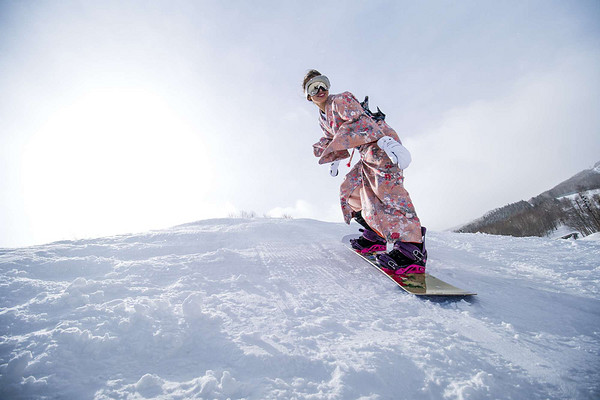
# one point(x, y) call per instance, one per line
point(280, 309)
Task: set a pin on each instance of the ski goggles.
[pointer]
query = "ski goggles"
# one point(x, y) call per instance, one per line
point(315, 84)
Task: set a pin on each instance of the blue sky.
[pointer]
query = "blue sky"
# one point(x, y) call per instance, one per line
point(126, 116)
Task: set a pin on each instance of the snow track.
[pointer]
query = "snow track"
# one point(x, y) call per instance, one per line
point(272, 309)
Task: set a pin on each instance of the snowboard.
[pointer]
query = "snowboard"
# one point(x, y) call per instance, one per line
point(417, 284)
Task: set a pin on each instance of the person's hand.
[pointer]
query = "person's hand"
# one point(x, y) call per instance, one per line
point(333, 168)
point(397, 153)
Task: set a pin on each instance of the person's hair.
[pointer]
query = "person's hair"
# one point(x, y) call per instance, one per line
point(309, 75)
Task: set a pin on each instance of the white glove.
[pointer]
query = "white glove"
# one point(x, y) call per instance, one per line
point(397, 153)
point(333, 168)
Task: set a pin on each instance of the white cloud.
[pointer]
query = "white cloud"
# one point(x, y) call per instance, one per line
point(303, 209)
point(494, 152)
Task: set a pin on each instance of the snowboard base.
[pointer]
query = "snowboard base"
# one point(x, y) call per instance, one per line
point(417, 284)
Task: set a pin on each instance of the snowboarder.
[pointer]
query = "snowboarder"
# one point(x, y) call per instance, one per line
point(372, 192)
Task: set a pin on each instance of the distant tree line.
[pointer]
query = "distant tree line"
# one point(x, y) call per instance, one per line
point(583, 213)
point(542, 215)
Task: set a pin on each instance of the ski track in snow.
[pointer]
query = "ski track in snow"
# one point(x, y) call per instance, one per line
point(280, 309)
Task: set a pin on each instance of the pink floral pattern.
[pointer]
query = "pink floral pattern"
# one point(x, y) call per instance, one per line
point(386, 205)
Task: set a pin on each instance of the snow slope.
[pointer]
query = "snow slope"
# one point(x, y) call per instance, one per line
point(279, 309)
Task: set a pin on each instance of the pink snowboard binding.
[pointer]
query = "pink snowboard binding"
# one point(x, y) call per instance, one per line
point(405, 258)
point(369, 243)
point(409, 269)
point(376, 248)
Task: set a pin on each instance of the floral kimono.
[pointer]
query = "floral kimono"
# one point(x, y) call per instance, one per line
point(374, 185)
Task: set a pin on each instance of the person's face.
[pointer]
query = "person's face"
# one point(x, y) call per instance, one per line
point(320, 97)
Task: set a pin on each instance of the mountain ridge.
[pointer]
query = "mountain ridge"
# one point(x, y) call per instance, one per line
point(573, 204)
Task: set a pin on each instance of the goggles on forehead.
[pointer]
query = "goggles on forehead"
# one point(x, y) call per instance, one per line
point(315, 84)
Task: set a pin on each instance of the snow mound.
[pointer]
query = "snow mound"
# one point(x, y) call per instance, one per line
point(280, 309)
point(593, 237)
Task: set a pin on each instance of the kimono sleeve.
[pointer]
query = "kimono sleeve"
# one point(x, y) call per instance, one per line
point(321, 146)
point(356, 129)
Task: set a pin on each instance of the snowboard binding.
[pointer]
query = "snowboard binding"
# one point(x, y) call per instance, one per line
point(405, 258)
point(370, 242)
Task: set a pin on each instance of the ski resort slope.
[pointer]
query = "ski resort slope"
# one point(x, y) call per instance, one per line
point(280, 309)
